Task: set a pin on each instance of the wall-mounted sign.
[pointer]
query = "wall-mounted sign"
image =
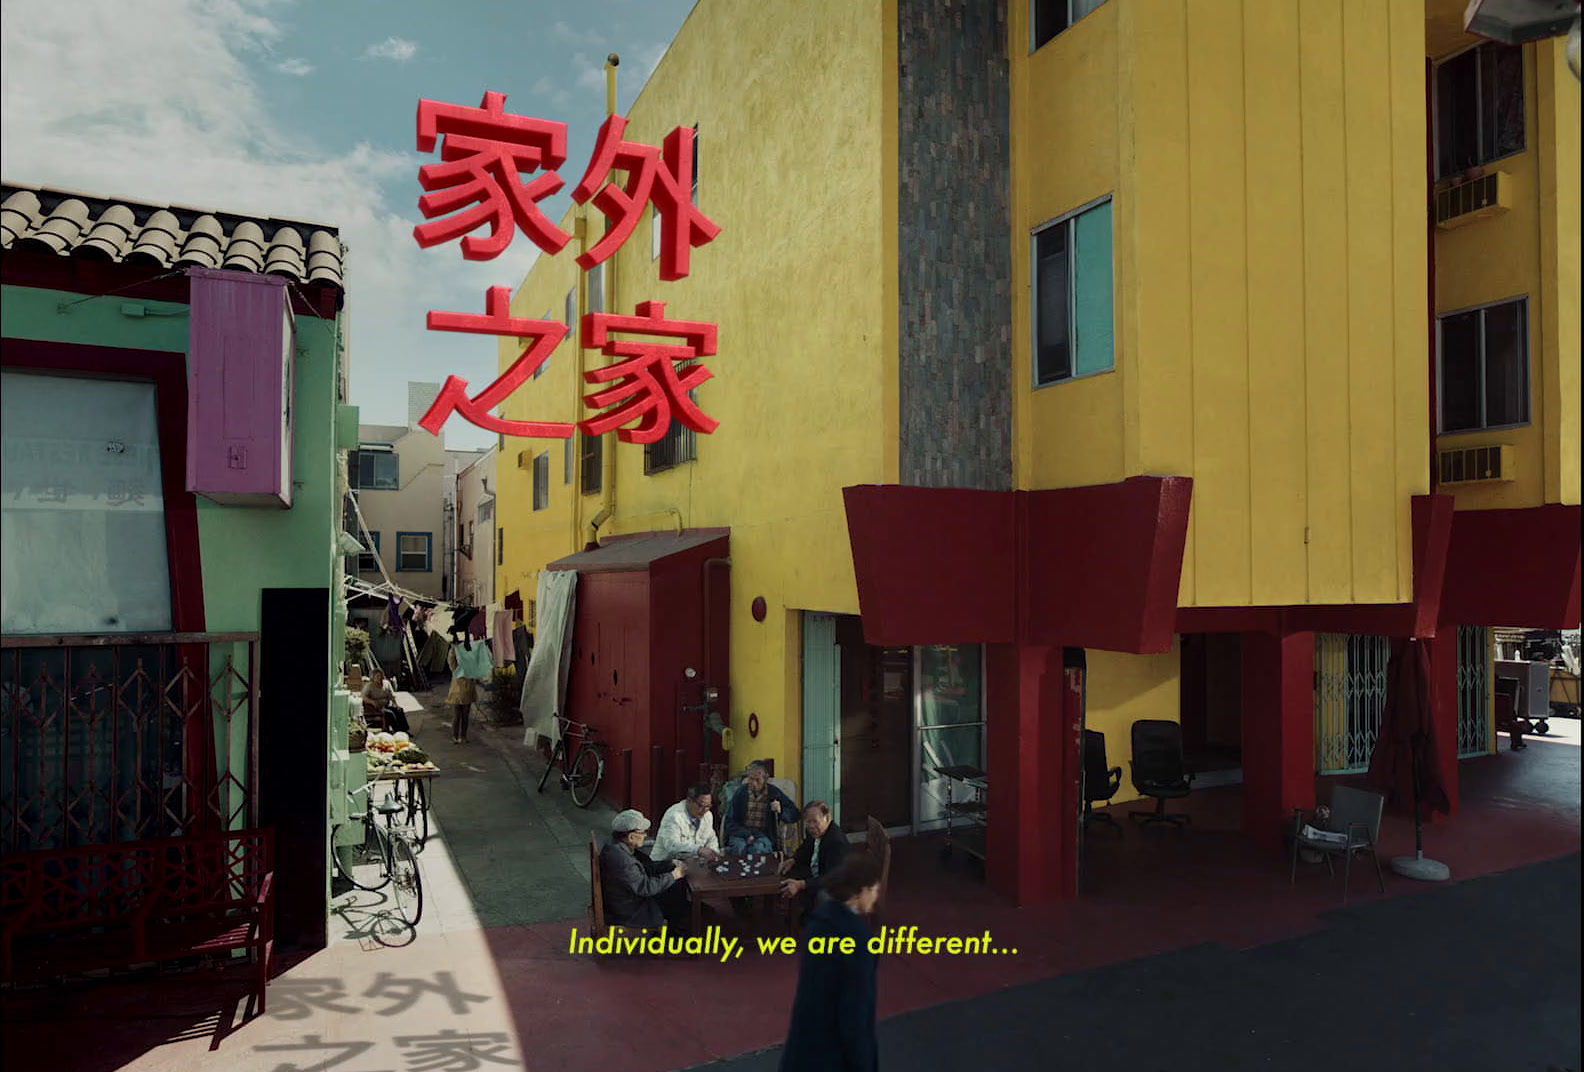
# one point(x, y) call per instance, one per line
point(486, 154)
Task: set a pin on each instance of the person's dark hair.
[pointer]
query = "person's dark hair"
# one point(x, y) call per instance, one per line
point(856, 874)
point(698, 789)
point(817, 805)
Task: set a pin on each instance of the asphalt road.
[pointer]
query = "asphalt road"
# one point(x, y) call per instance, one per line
point(1481, 976)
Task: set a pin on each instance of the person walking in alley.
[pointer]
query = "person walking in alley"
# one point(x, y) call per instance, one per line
point(833, 1013)
point(470, 664)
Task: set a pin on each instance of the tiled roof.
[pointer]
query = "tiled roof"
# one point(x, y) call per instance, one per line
point(70, 224)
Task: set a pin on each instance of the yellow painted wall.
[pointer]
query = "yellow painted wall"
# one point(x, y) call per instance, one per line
point(801, 283)
point(1533, 250)
point(1123, 689)
point(1270, 279)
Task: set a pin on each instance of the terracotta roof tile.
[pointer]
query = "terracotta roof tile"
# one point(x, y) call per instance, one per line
point(70, 224)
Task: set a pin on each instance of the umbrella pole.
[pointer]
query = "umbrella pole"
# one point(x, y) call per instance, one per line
point(1416, 866)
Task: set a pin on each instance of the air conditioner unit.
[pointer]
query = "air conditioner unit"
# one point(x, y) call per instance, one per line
point(1473, 199)
point(1477, 465)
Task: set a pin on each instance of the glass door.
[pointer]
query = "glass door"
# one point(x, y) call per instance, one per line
point(949, 716)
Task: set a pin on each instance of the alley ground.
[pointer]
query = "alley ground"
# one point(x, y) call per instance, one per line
point(1184, 954)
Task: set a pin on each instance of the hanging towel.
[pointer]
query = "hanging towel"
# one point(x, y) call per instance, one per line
point(473, 660)
point(478, 625)
point(545, 684)
point(393, 619)
point(501, 638)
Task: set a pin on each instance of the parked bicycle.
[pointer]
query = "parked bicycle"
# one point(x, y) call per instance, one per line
point(581, 771)
point(384, 856)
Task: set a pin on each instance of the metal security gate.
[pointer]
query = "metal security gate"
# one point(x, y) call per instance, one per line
point(1350, 699)
point(1475, 726)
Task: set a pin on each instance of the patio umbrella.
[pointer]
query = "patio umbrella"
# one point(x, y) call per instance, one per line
point(1405, 762)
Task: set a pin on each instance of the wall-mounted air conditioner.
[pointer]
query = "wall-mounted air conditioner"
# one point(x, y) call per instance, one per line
point(1477, 465)
point(1473, 199)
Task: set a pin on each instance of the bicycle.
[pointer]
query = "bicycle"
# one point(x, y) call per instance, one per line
point(384, 857)
point(582, 771)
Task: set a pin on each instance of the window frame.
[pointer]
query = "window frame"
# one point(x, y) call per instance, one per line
point(401, 554)
point(378, 450)
point(1526, 362)
point(591, 464)
point(1072, 290)
point(541, 480)
point(1034, 43)
point(682, 441)
point(373, 556)
point(1479, 109)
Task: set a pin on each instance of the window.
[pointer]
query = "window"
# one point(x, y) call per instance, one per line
point(378, 470)
point(500, 547)
point(1479, 107)
point(1484, 366)
point(542, 365)
point(470, 539)
point(84, 507)
point(1074, 323)
point(596, 289)
point(368, 561)
point(678, 445)
point(486, 510)
point(413, 551)
point(1051, 17)
point(592, 461)
point(541, 480)
point(566, 460)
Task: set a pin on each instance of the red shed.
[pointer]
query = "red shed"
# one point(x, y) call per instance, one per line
point(650, 607)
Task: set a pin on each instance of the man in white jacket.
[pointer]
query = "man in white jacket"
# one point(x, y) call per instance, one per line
point(688, 828)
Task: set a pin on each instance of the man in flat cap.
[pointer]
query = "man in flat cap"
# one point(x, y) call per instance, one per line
point(640, 893)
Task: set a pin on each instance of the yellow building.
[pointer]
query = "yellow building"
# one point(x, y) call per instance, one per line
point(1084, 362)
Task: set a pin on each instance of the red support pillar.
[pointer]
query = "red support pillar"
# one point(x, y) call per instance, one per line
point(1278, 732)
point(1444, 711)
point(1031, 853)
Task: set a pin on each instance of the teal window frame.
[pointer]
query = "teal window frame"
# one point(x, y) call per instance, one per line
point(1091, 293)
point(428, 565)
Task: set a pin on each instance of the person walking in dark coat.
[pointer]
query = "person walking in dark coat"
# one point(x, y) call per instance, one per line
point(833, 1014)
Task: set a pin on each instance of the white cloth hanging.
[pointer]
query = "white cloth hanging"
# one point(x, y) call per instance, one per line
point(545, 684)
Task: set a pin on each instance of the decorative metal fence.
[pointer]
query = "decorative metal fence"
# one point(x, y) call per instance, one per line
point(1475, 726)
point(123, 738)
point(1350, 699)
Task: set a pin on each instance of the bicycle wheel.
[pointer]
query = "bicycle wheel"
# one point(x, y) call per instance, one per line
point(555, 754)
point(406, 882)
point(587, 770)
point(365, 863)
point(418, 813)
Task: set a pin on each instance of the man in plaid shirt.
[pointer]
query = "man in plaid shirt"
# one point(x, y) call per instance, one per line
point(754, 813)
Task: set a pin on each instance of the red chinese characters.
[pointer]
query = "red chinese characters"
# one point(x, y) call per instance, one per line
point(650, 389)
point(485, 150)
point(486, 154)
point(666, 181)
point(546, 334)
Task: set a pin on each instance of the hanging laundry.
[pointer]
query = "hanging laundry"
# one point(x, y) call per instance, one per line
point(478, 625)
point(393, 619)
point(522, 645)
point(473, 660)
point(500, 636)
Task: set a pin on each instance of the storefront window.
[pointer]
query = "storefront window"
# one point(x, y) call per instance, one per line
point(84, 508)
point(951, 720)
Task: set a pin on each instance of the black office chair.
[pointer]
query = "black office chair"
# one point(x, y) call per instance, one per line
point(1159, 770)
point(1100, 782)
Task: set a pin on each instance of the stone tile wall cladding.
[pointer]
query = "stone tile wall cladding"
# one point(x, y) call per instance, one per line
point(954, 229)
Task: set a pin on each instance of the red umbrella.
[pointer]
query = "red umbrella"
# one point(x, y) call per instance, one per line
point(1406, 765)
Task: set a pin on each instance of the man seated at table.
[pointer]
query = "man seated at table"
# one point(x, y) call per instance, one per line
point(755, 813)
point(687, 828)
point(640, 893)
point(822, 852)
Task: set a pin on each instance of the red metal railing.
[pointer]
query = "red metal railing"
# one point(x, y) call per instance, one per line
point(122, 738)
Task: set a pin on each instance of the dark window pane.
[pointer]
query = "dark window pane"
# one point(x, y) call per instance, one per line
point(1460, 385)
point(1506, 365)
point(1457, 113)
point(1501, 84)
point(1053, 356)
point(1050, 19)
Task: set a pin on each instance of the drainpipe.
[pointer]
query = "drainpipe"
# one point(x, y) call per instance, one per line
point(608, 455)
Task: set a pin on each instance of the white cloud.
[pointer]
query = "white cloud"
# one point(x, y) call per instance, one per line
point(392, 48)
point(573, 36)
point(295, 66)
point(74, 114)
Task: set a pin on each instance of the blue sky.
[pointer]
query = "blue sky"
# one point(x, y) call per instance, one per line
point(306, 110)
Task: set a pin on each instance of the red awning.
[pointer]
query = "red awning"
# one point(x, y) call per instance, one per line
point(1514, 567)
point(1087, 567)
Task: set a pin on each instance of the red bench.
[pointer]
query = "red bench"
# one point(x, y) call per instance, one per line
point(68, 911)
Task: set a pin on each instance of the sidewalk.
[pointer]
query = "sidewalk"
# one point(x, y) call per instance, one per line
point(1179, 947)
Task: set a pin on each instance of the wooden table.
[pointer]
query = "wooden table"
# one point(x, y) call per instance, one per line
point(763, 880)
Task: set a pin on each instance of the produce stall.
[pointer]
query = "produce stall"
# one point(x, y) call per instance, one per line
point(392, 757)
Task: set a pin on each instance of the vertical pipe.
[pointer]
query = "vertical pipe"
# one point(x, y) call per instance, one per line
point(608, 454)
point(1430, 248)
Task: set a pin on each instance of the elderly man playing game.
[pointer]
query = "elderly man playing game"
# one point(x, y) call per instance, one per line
point(688, 829)
point(754, 812)
point(640, 893)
